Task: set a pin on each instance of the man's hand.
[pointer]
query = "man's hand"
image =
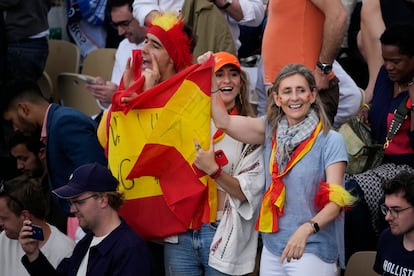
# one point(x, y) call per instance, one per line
point(321, 79)
point(152, 75)
point(102, 90)
point(30, 246)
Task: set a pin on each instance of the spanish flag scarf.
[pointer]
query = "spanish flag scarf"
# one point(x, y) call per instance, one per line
point(274, 198)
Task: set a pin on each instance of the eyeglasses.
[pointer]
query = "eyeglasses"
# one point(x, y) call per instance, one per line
point(394, 212)
point(3, 191)
point(123, 24)
point(79, 202)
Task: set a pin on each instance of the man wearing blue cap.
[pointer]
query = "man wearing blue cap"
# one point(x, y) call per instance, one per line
point(110, 246)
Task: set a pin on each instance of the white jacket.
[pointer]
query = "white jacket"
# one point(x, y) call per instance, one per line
point(234, 247)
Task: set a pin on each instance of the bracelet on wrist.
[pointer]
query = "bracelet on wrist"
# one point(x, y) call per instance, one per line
point(217, 173)
point(367, 106)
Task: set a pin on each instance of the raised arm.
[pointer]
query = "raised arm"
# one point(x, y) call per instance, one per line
point(334, 29)
point(142, 10)
point(372, 26)
point(245, 129)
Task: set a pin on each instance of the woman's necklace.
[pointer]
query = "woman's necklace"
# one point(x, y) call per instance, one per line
point(404, 86)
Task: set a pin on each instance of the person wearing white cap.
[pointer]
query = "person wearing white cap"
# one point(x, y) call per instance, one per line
point(110, 246)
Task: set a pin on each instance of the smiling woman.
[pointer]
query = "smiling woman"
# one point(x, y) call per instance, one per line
point(304, 163)
point(393, 93)
point(394, 85)
point(235, 173)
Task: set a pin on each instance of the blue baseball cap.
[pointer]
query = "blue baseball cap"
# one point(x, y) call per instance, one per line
point(91, 177)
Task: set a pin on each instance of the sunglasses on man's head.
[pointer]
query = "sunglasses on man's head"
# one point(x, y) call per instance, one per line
point(4, 192)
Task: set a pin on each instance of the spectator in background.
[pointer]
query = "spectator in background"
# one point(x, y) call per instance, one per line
point(395, 251)
point(27, 29)
point(393, 86)
point(209, 26)
point(69, 135)
point(21, 199)
point(394, 91)
point(3, 51)
point(127, 26)
point(243, 12)
point(30, 155)
point(376, 15)
point(110, 247)
point(308, 32)
point(348, 96)
point(24, 49)
point(86, 24)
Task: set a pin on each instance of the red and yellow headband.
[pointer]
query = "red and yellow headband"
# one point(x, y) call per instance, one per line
point(169, 29)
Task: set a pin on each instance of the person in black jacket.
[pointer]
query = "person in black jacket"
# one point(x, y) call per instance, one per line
point(110, 246)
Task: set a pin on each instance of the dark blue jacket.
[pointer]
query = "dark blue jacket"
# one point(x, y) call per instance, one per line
point(71, 142)
point(121, 253)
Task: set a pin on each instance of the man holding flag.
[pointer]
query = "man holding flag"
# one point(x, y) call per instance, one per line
point(162, 105)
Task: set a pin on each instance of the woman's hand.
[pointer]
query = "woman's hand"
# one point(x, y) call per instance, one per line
point(205, 159)
point(296, 245)
point(30, 246)
point(363, 113)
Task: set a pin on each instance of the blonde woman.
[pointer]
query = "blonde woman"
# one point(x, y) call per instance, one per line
point(305, 163)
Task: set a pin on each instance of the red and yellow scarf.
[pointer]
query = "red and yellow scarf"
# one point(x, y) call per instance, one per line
point(274, 198)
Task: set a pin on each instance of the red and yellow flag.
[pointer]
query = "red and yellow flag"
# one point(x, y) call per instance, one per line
point(150, 150)
point(273, 202)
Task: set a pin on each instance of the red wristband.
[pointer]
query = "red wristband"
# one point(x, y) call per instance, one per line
point(216, 174)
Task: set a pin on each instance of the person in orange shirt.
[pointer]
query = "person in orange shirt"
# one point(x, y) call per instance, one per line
point(308, 32)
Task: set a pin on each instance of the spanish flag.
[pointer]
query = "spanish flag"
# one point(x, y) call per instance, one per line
point(150, 147)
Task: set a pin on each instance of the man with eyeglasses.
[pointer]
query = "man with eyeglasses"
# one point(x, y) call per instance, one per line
point(110, 246)
point(395, 253)
point(126, 25)
point(21, 201)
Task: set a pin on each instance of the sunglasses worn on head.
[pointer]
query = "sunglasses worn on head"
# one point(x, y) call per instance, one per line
point(3, 191)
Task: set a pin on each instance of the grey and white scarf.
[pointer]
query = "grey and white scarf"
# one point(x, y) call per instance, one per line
point(288, 138)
